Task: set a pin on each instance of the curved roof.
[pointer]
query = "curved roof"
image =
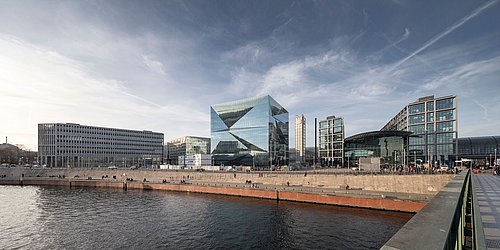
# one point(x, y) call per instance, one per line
point(492, 140)
point(377, 134)
point(5, 146)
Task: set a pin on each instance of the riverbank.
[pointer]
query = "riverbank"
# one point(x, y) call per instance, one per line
point(406, 193)
point(352, 198)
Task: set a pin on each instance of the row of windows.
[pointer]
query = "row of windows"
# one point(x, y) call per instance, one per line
point(103, 152)
point(440, 149)
point(439, 138)
point(440, 104)
point(448, 126)
point(444, 115)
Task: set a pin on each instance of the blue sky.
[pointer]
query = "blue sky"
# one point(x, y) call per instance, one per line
point(159, 65)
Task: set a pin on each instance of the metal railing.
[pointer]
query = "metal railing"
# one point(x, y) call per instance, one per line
point(450, 220)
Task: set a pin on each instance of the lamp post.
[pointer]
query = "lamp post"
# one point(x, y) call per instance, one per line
point(495, 158)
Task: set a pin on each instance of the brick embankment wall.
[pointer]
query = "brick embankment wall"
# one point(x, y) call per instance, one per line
point(363, 202)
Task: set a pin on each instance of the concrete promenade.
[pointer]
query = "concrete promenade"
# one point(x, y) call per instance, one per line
point(488, 195)
point(408, 193)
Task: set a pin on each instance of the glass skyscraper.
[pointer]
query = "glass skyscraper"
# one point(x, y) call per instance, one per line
point(251, 132)
point(331, 141)
point(433, 122)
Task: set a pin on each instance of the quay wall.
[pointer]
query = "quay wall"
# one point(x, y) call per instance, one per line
point(372, 203)
point(411, 184)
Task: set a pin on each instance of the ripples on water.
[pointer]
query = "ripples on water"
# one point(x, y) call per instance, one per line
point(62, 218)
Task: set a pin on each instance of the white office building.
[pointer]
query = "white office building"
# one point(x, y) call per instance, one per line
point(75, 145)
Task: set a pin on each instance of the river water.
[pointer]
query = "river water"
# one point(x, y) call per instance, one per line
point(61, 218)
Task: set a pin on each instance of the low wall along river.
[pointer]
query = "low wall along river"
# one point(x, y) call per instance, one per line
point(408, 193)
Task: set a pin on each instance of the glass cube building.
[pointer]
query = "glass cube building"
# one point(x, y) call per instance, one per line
point(251, 132)
point(433, 122)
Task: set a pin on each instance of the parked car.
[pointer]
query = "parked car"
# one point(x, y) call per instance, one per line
point(112, 167)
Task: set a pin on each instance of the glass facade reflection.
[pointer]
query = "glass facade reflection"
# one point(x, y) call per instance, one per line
point(187, 145)
point(331, 142)
point(251, 132)
point(434, 122)
point(390, 146)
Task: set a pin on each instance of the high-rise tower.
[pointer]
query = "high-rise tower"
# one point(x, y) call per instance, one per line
point(300, 138)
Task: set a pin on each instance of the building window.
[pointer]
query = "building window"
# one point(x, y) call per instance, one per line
point(417, 129)
point(430, 106)
point(444, 115)
point(445, 138)
point(415, 119)
point(444, 127)
point(444, 104)
point(430, 117)
point(416, 108)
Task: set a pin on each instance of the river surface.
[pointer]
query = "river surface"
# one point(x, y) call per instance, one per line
point(61, 218)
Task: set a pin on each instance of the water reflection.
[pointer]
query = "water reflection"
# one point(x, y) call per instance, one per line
point(61, 218)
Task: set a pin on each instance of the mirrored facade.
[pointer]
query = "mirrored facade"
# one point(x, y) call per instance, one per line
point(433, 121)
point(251, 132)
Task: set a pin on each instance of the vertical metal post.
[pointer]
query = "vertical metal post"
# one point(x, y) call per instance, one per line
point(315, 141)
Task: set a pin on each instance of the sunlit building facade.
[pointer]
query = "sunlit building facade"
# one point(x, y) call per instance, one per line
point(300, 138)
point(434, 124)
point(186, 146)
point(331, 141)
point(75, 145)
point(251, 132)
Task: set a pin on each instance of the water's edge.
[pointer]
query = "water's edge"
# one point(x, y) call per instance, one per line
point(360, 202)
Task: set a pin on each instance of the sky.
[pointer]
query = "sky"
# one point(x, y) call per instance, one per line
point(159, 65)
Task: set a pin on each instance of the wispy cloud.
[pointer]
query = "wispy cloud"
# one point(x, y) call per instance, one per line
point(153, 65)
point(48, 87)
point(485, 111)
point(446, 32)
point(464, 74)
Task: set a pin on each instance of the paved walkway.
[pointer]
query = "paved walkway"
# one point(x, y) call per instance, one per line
point(488, 197)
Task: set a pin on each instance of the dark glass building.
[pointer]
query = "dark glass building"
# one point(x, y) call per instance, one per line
point(390, 146)
point(482, 149)
point(250, 132)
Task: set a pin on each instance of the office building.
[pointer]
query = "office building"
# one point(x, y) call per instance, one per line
point(251, 132)
point(331, 142)
point(389, 146)
point(185, 146)
point(300, 138)
point(75, 145)
point(433, 121)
